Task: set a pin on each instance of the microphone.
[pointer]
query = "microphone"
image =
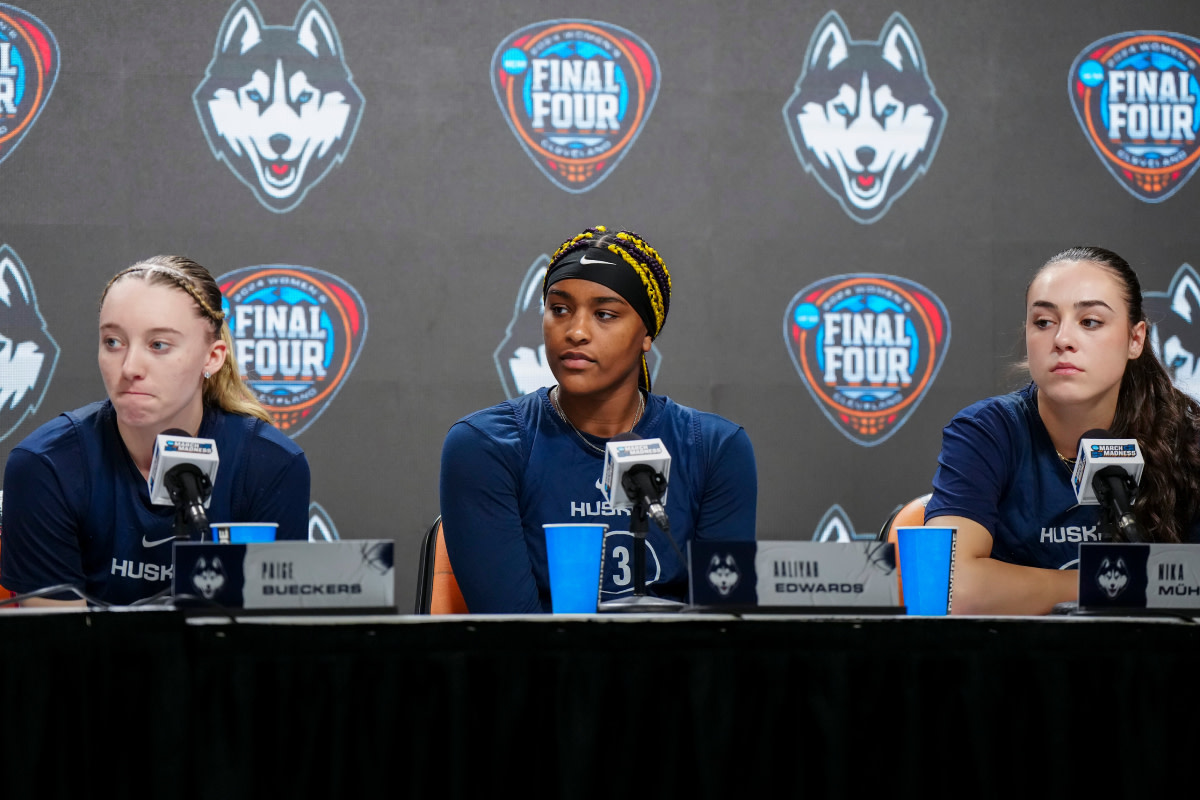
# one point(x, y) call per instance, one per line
point(181, 474)
point(636, 471)
point(1107, 473)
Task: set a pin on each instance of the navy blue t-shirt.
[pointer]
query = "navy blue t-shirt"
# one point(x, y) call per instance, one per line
point(77, 509)
point(510, 468)
point(999, 468)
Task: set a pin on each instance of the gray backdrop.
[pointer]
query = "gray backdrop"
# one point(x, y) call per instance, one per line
point(436, 215)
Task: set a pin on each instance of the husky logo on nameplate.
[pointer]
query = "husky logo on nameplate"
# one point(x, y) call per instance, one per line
point(521, 355)
point(1112, 576)
point(723, 573)
point(836, 526)
point(864, 118)
point(320, 524)
point(28, 70)
point(868, 347)
point(278, 104)
point(1135, 95)
point(1175, 328)
point(28, 354)
point(297, 333)
point(576, 94)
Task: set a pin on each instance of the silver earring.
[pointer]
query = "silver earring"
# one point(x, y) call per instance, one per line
point(206, 375)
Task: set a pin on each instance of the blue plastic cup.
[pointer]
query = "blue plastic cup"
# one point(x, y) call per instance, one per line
point(243, 532)
point(926, 569)
point(574, 552)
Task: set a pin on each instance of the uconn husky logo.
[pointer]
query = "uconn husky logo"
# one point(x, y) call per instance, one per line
point(864, 118)
point(27, 351)
point(278, 105)
point(1175, 328)
point(521, 355)
point(836, 526)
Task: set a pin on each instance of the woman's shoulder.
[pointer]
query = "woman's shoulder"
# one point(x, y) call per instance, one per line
point(516, 411)
point(504, 423)
point(702, 424)
point(1013, 407)
point(251, 432)
point(67, 428)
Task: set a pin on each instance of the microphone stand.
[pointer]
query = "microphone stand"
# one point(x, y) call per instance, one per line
point(639, 526)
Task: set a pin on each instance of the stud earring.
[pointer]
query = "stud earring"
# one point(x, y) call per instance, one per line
point(206, 375)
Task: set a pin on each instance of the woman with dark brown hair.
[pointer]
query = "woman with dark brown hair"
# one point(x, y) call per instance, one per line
point(1004, 474)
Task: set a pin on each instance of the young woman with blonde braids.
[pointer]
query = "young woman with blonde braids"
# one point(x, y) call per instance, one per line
point(76, 506)
point(510, 468)
point(1004, 474)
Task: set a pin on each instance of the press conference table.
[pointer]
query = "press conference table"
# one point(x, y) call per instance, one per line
point(157, 703)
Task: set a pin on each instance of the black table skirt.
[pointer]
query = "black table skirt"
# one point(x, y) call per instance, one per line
point(154, 704)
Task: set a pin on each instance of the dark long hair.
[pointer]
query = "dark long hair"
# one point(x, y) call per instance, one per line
point(1150, 408)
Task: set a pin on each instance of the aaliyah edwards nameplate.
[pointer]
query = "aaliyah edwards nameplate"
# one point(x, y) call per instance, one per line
point(803, 575)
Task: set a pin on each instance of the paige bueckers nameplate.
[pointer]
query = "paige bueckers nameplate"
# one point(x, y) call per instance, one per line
point(802, 575)
point(347, 574)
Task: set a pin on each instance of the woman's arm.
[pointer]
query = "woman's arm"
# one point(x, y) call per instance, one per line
point(729, 502)
point(281, 493)
point(983, 585)
point(481, 522)
point(40, 540)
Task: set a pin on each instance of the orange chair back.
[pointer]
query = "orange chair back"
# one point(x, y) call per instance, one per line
point(909, 515)
point(446, 597)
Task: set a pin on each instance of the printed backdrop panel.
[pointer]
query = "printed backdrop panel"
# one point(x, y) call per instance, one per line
point(870, 176)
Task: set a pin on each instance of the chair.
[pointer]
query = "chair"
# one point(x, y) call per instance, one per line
point(437, 588)
point(911, 513)
point(4, 593)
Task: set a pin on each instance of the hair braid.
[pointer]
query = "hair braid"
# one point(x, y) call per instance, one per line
point(225, 389)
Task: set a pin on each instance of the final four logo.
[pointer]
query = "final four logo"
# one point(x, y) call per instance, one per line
point(297, 333)
point(28, 71)
point(1135, 95)
point(576, 94)
point(278, 104)
point(868, 347)
point(864, 118)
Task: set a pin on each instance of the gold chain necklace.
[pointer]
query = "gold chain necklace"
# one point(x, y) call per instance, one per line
point(636, 417)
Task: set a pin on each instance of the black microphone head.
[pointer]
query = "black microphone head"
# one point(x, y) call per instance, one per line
point(627, 436)
point(175, 432)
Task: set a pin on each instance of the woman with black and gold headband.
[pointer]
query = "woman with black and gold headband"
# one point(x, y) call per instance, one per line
point(508, 469)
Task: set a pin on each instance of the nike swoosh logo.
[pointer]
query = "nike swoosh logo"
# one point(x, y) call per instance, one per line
point(585, 260)
point(146, 543)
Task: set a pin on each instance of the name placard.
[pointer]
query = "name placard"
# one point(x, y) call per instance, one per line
point(347, 574)
point(800, 575)
point(1127, 577)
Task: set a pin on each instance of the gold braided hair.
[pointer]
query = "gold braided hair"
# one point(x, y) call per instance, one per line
point(225, 389)
point(646, 263)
